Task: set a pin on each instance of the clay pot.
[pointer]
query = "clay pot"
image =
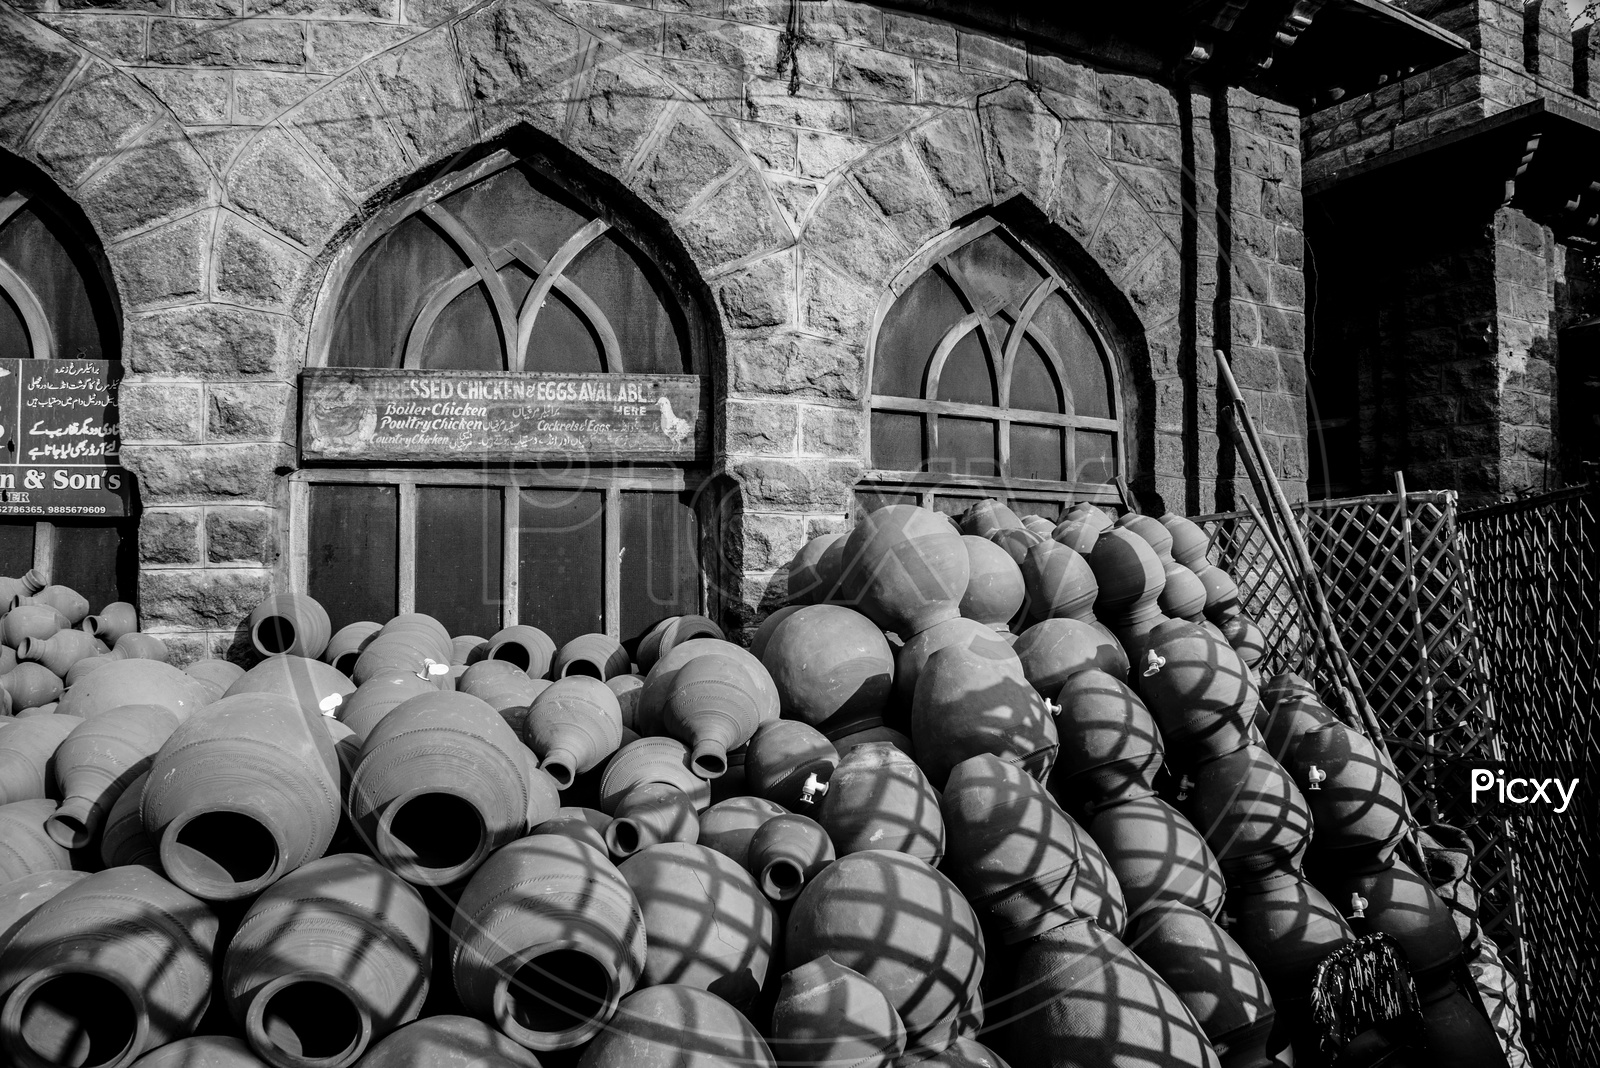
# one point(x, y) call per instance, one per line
point(112, 622)
point(995, 589)
point(848, 736)
point(202, 1051)
point(878, 799)
point(1130, 577)
point(381, 694)
point(468, 649)
point(82, 668)
point(987, 516)
point(1289, 720)
point(572, 725)
point(25, 847)
point(1039, 524)
point(659, 683)
point(828, 661)
point(123, 839)
point(969, 702)
point(442, 784)
point(30, 621)
point(1079, 996)
point(785, 853)
point(317, 687)
point(1015, 543)
point(1222, 594)
point(28, 754)
point(8, 659)
point(413, 648)
point(135, 682)
point(1110, 751)
point(546, 939)
point(1246, 638)
point(1199, 692)
point(1183, 596)
point(98, 761)
point(1011, 850)
point(69, 602)
point(22, 897)
point(1189, 542)
point(718, 938)
point(329, 959)
point(59, 651)
point(1456, 1033)
point(598, 656)
point(827, 1014)
point(504, 686)
point(709, 707)
point(962, 1053)
point(808, 581)
point(782, 755)
point(628, 688)
point(1059, 583)
point(1212, 975)
point(239, 797)
point(112, 966)
point(31, 685)
point(763, 634)
point(905, 568)
point(729, 825)
point(903, 926)
point(1286, 927)
point(1053, 650)
point(136, 646)
point(1158, 856)
point(445, 1042)
point(909, 661)
point(1358, 808)
point(586, 825)
point(215, 675)
point(1398, 902)
point(292, 624)
point(344, 648)
point(671, 633)
point(1252, 816)
point(1152, 530)
point(648, 815)
point(663, 760)
point(1284, 685)
point(1081, 527)
point(29, 584)
point(677, 1027)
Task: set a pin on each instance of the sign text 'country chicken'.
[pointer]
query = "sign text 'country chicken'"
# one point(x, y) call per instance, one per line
point(402, 416)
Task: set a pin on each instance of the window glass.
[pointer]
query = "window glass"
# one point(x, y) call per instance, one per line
point(459, 559)
point(897, 440)
point(1036, 452)
point(387, 290)
point(1096, 461)
point(660, 559)
point(910, 332)
point(465, 337)
point(97, 560)
point(561, 561)
point(1033, 380)
point(33, 247)
point(994, 269)
point(1086, 370)
point(352, 557)
point(967, 376)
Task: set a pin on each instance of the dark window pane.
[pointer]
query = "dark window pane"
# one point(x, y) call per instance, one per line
point(1033, 380)
point(562, 340)
point(561, 561)
point(993, 268)
point(967, 376)
point(966, 447)
point(97, 560)
point(1049, 509)
point(909, 334)
point(1036, 452)
point(1066, 332)
point(33, 248)
point(385, 292)
point(870, 498)
point(352, 560)
point(459, 533)
point(465, 336)
point(1096, 456)
point(16, 547)
point(897, 441)
point(632, 296)
point(660, 559)
point(516, 205)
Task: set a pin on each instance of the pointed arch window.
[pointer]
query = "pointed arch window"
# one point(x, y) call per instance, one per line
point(989, 372)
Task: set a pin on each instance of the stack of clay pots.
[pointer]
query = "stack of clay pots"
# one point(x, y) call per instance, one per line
point(978, 784)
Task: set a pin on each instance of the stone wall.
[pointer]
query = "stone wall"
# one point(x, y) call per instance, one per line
point(224, 149)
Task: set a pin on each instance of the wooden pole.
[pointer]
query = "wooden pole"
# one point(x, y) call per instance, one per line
point(1424, 663)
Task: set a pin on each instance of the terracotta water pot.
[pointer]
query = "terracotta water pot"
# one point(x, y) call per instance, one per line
point(663, 760)
point(628, 688)
point(529, 648)
point(1011, 850)
point(123, 839)
point(1079, 996)
point(808, 582)
point(215, 675)
point(962, 1053)
point(848, 736)
point(572, 725)
point(344, 648)
point(1015, 542)
point(599, 656)
point(30, 621)
point(1456, 1033)
point(1039, 525)
point(1358, 806)
point(1081, 527)
point(97, 762)
point(422, 628)
point(587, 825)
point(1284, 685)
point(1400, 903)
point(1158, 856)
point(707, 924)
point(25, 847)
point(240, 796)
point(782, 755)
point(64, 599)
point(1184, 595)
point(1290, 719)
point(1110, 750)
point(442, 784)
point(903, 926)
point(31, 685)
point(1246, 638)
point(445, 1042)
point(827, 1014)
point(911, 657)
point(116, 964)
point(969, 702)
point(905, 568)
point(710, 708)
point(381, 694)
point(326, 961)
point(878, 799)
point(659, 683)
point(763, 634)
point(671, 633)
point(1251, 813)
point(1059, 583)
point(290, 623)
point(1286, 927)
point(28, 756)
point(785, 853)
point(650, 814)
point(1222, 594)
point(82, 668)
point(1214, 978)
point(137, 646)
point(828, 661)
point(135, 682)
point(545, 941)
point(1199, 692)
point(504, 687)
point(729, 826)
point(59, 651)
point(995, 588)
point(23, 896)
point(1130, 578)
point(468, 649)
point(985, 517)
point(677, 1027)
point(202, 1051)
point(1189, 542)
point(1152, 530)
point(29, 584)
point(317, 687)
point(414, 648)
point(8, 659)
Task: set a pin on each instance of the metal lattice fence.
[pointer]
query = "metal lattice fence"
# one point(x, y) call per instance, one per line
point(1537, 599)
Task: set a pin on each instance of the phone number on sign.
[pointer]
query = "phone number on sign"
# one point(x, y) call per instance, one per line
point(52, 509)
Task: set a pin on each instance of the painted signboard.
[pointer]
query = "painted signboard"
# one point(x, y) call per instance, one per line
point(413, 416)
point(58, 428)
